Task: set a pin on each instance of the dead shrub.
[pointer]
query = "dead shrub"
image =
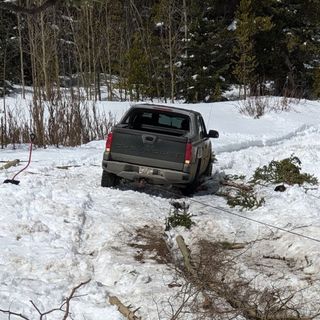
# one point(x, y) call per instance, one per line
point(61, 122)
point(220, 292)
point(255, 106)
point(211, 285)
point(284, 104)
point(151, 244)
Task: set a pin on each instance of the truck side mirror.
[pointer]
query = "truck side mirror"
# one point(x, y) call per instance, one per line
point(213, 134)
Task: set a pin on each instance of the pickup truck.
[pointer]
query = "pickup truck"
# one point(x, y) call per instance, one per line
point(158, 144)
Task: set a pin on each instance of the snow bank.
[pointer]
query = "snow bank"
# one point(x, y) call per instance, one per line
point(59, 228)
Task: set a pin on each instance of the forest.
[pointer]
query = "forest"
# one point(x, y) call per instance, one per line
point(189, 50)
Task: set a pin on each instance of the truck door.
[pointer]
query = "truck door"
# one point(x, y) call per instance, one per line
point(205, 145)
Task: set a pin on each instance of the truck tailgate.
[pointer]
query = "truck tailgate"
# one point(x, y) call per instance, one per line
point(148, 149)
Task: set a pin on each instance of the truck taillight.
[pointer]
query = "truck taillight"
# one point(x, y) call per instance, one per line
point(109, 141)
point(188, 153)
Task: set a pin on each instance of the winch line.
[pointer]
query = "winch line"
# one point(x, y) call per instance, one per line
point(247, 218)
point(256, 221)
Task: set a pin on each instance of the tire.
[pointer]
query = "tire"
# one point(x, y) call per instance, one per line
point(191, 187)
point(208, 171)
point(109, 180)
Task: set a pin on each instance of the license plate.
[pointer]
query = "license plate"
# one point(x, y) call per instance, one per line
point(144, 170)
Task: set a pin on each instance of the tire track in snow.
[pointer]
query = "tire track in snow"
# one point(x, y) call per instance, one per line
point(233, 147)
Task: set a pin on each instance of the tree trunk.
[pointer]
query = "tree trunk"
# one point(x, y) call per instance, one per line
point(109, 79)
point(21, 57)
point(4, 126)
point(44, 59)
point(172, 76)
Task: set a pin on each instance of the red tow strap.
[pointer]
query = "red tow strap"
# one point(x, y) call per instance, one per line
point(32, 137)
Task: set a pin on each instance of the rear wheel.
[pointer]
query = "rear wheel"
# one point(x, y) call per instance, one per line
point(193, 185)
point(109, 179)
point(208, 171)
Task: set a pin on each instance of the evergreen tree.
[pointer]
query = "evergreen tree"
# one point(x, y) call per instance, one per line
point(207, 62)
point(168, 27)
point(288, 53)
point(167, 49)
point(9, 51)
point(136, 76)
point(316, 83)
point(248, 25)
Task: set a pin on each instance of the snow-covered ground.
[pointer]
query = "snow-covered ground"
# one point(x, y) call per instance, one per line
point(59, 228)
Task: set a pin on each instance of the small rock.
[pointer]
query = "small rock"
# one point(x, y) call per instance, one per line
point(280, 188)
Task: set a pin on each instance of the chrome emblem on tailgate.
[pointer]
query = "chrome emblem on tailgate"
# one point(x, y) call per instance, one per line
point(146, 171)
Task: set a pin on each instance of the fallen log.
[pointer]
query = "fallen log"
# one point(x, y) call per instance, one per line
point(186, 255)
point(10, 164)
point(125, 311)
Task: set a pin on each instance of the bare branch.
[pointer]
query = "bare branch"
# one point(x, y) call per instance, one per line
point(31, 11)
point(43, 314)
point(36, 307)
point(10, 313)
point(67, 300)
point(66, 304)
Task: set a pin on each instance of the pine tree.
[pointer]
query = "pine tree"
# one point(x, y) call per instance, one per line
point(288, 53)
point(186, 48)
point(316, 83)
point(137, 64)
point(248, 25)
point(9, 52)
point(207, 63)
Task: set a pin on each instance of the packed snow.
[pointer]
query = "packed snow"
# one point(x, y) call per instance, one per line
point(60, 228)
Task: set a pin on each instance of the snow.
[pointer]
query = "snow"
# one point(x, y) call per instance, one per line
point(59, 228)
point(232, 26)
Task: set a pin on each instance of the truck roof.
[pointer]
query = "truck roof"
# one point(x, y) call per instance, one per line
point(163, 107)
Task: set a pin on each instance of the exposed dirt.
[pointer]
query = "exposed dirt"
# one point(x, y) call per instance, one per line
point(150, 244)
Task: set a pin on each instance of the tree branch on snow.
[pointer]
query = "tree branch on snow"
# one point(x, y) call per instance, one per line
point(65, 306)
point(43, 314)
point(68, 299)
point(11, 313)
point(208, 275)
point(236, 185)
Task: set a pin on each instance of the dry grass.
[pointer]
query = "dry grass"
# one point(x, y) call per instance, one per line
point(64, 122)
point(150, 244)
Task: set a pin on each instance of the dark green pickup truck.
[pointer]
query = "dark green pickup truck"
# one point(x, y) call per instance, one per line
point(160, 145)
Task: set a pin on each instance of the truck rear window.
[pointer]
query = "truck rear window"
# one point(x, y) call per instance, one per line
point(158, 121)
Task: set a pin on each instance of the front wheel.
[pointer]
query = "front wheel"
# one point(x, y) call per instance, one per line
point(109, 179)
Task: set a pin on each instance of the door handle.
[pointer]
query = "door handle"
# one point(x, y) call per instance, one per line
point(148, 139)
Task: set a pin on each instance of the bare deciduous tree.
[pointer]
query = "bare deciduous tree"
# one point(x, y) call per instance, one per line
point(33, 10)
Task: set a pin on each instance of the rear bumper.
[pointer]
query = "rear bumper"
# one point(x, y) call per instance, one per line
point(151, 175)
